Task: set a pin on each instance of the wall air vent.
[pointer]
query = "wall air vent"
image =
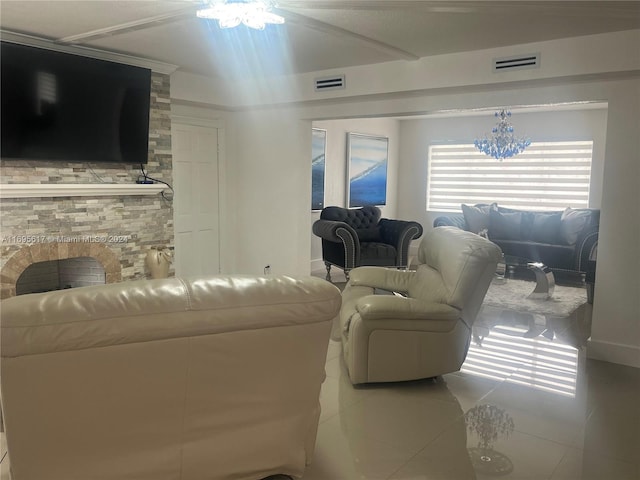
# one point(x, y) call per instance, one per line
point(520, 62)
point(334, 82)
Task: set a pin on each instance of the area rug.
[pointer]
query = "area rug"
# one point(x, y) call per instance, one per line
point(512, 295)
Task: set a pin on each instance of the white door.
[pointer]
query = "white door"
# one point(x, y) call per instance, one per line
point(196, 200)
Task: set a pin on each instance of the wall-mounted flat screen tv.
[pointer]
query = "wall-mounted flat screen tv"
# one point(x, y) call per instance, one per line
point(62, 107)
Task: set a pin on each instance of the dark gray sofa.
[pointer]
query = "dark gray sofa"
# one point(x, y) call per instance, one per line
point(564, 240)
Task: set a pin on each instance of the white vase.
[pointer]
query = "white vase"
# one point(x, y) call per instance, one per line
point(158, 261)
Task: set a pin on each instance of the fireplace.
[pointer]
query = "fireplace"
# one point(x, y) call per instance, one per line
point(60, 274)
point(52, 266)
point(58, 210)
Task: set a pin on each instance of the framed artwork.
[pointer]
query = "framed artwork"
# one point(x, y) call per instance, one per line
point(367, 170)
point(318, 151)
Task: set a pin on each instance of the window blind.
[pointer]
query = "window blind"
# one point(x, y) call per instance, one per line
point(546, 176)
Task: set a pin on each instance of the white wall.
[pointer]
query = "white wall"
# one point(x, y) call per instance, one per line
point(565, 58)
point(271, 192)
point(336, 168)
point(269, 165)
point(616, 316)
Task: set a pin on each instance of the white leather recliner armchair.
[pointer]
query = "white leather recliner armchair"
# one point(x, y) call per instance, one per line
point(424, 329)
point(191, 379)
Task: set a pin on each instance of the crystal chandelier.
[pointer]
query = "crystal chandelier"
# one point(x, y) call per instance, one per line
point(503, 143)
point(231, 13)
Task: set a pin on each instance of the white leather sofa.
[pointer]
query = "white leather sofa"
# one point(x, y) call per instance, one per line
point(173, 379)
point(423, 331)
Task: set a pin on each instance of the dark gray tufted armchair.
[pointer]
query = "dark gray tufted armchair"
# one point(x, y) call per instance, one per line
point(356, 237)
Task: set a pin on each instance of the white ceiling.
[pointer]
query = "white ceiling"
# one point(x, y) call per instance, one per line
point(317, 35)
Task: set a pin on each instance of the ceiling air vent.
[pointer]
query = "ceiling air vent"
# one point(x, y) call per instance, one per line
point(334, 82)
point(520, 62)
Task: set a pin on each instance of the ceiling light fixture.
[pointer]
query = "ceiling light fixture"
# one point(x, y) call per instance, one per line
point(231, 13)
point(503, 143)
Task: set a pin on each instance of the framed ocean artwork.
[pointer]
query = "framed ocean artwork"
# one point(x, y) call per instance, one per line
point(367, 169)
point(318, 152)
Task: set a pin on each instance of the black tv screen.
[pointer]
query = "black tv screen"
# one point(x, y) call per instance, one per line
point(59, 106)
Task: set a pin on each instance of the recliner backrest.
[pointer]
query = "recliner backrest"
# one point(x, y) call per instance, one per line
point(453, 263)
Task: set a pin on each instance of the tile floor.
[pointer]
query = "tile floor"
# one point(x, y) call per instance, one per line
point(527, 387)
point(546, 410)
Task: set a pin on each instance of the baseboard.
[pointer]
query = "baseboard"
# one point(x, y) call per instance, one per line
point(318, 265)
point(614, 353)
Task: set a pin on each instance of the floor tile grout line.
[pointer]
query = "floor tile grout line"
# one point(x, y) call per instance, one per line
point(341, 408)
point(431, 442)
point(565, 455)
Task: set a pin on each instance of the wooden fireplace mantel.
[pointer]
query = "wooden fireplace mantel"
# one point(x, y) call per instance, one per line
point(34, 190)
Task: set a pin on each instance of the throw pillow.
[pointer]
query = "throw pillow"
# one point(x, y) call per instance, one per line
point(545, 227)
point(504, 226)
point(572, 223)
point(477, 218)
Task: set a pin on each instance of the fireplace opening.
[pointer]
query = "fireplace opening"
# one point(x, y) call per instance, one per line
point(60, 274)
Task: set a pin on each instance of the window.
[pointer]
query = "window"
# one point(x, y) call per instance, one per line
point(546, 176)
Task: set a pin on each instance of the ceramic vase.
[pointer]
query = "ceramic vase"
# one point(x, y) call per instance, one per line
point(157, 261)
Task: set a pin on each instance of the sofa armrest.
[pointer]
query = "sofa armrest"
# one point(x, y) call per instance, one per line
point(586, 249)
point(400, 233)
point(453, 220)
point(378, 307)
point(329, 230)
point(338, 232)
point(381, 277)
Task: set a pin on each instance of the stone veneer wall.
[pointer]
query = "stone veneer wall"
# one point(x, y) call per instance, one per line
point(52, 228)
